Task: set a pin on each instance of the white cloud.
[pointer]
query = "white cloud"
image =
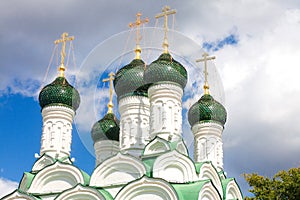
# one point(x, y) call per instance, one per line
point(7, 186)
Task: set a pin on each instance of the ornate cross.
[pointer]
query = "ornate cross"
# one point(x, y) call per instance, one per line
point(110, 104)
point(137, 24)
point(63, 40)
point(165, 12)
point(205, 59)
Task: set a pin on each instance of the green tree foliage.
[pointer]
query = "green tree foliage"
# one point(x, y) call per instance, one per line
point(284, 185)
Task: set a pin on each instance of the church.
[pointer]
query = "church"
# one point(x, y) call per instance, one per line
point(142, 155)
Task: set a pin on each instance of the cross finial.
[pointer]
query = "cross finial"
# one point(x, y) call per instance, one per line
point(165, 12)
point(137, 24)
point(63, 40)
point(110, 104)
point(205, 59)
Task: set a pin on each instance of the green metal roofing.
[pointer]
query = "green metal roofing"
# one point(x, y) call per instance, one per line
point(26, 181)
point(148, 162)
point(129, 80)
point(225, 183)
point(165, 68)
point(106, 128)
point(59, 92)
point(105, 193)
point(207, 109)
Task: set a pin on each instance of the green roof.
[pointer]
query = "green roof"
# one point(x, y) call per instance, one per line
point(106, 128)
point(59, 92)
point(207, 109)
point(165, 68)
point(148, 163)
point(129, 80)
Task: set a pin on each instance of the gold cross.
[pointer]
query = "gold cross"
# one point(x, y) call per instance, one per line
point(138, 23)
point(165, 12)
point(205, 59)
point(63, 40)
point(110, 104)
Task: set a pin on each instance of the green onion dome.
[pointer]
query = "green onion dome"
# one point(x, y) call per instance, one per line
point(129, 80)
point(207, 109)
point(106, 128)
point(165, 68)
point(59, 92)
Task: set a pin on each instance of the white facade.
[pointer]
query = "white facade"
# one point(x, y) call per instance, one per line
point(208, 145)
point(105, 149)
point(57, 131)
point(134, 124)
point(166, 111)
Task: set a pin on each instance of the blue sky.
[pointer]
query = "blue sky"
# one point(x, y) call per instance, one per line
point(257, 48)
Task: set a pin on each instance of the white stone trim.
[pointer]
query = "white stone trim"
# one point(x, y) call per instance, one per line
point(233, 191)
point(209, 172)
point(209, 192)
point(57, 131)
point(81, 192)
point(208, 145)
point(105, 149)
point(16, 195)
point(134, 124)
point(117, 170)
point(166, 111)
point(147, 188)
point(171, 163)
point(56, 178)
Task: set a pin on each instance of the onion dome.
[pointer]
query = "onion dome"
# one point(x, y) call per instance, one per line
point(59, 92)
point(207, 109)
point(165, 68)
point(106, 128)
point(129, 80)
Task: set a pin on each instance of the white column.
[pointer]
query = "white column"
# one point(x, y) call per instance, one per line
point(208, 144)
point(105, 149)
point(134, 124)
point(166, 111)
point(57, 131)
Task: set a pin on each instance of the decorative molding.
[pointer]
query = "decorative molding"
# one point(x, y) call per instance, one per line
point(134, 124)
point(56, 178)
point(16, 195)
point(165, 111)
point(209, 192)
point(57, 131)
point(209, 172)
point(147, 188)
point(105, 149)
point(117, 170)
point(233, 191)
point(208, 144)
point(173, 162)
point(80, 192)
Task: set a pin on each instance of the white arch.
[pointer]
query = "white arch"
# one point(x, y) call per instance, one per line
point(209, 192)
point(173, 162)
point(42, 162)
point(233, 191)
point(16, 195)
point(56, 178)
point(157, 145)
point(208, 171)
point(147, 188)
point(80, 192)
point(117, 170)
